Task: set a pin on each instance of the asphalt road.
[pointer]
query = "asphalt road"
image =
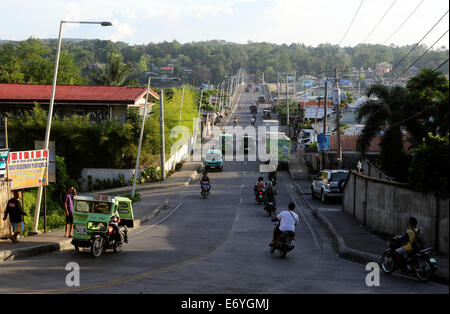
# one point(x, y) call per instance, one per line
point(217, 245)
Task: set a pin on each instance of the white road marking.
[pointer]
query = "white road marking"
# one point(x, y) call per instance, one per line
point(316, 241)
point(160, 221)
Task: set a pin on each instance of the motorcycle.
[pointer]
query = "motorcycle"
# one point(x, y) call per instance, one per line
point(103, 241)
point(284, 243)
point(422, 262)
point(260, 196)
point(270, 208)
point(205, 190)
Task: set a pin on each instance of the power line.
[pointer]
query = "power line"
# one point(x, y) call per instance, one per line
point(403, 23)
point(441, 65)
point(412, 64)
point(422, 111)
point(354, 17)
point(416, 114)
point(384, 15)
point(429, 31)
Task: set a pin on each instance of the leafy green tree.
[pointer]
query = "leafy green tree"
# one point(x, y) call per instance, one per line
point(385, 113)
point(429, 167)
point(114, 73)
point(430, 108)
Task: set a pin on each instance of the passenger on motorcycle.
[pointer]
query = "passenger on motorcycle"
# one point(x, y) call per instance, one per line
point(288, 219)
point(205, 180)
point(259, 186)
point(412, 239)
point(270, 193)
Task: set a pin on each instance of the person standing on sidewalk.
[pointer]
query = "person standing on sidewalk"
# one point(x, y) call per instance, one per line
point(16, 213)
point(68, 207)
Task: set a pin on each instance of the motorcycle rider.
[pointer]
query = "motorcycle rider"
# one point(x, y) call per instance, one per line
point(288, 219)
point(114, 222)
point(411, 238)
point(236, 119)
point(205, 180)
point(272, 176)
point(270, 193)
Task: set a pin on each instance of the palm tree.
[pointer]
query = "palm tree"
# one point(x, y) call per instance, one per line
point(430, 107)
point(115, 73)
point(384, 111)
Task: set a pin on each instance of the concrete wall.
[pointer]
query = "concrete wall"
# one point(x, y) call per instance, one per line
point(4, 197)
point(385, 207)
point(104, 173)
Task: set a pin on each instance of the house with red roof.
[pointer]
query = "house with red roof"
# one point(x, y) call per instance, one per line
point(100, 102)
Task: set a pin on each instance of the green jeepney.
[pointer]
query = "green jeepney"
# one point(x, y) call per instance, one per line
point(92, 214)
point(226, 143)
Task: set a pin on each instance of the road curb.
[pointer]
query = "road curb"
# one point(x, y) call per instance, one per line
point(355, 255)
point(65, 244)
point(194, 175)
point(10, 255)
point(163, 206)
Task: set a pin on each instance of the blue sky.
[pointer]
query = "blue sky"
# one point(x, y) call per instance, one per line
point(278, 21)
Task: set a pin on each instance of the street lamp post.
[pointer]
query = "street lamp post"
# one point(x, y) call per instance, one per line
point(142, 130)
point(50, 111)
point(140, 138)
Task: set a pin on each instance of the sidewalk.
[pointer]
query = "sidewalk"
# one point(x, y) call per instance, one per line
point(352, 240)
point(297, 168)
point(55, 240)
point(184, 177)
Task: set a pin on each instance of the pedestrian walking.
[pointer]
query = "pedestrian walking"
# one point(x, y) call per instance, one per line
point(16, 213)
point(68, 207)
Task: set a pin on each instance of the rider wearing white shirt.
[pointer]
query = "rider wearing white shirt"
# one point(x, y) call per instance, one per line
point(288, 220)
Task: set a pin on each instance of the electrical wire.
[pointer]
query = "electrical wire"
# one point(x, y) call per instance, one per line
point(414, 47)
point(376, 26)
point(418, 113)
point(354, 17)
point(403, 23)
point(412, 64)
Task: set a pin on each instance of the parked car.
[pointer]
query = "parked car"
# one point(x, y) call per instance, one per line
point(329, 184)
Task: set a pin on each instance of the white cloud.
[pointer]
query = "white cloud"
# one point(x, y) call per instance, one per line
point(121, 30)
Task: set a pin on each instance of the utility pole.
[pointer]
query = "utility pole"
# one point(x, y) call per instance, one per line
point(337, 102)
point(278, 88)
point(325, 119)
point(181, 105)
point(163, 148)
point(287, 106)
point(295, 79)
point(6, 130)
point(140, 138)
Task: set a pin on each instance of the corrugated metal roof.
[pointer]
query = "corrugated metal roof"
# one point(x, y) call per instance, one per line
point(73, 93)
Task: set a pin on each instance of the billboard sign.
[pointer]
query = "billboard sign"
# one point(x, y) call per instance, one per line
point(28, 169)
point(3, 161)
point(51, 160)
